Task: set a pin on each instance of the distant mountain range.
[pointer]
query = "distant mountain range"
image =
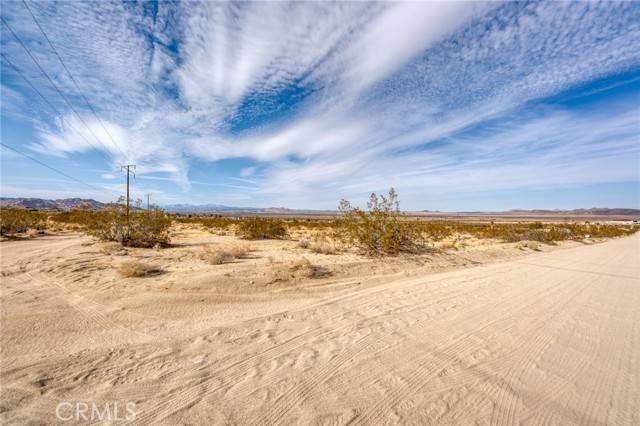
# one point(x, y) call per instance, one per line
point(43, 204)
point(218, 208)
point(72, 203)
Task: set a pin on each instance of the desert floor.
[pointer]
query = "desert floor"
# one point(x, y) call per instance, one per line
point(486, 334)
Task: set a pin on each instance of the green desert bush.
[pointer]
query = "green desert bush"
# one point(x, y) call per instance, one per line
point(380, 229)
point(17, 221)
point(258, 228)
point(546, 233)
point(145, 228)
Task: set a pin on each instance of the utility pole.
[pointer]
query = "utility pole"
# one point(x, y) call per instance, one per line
point(148, 203)
point(129, 168)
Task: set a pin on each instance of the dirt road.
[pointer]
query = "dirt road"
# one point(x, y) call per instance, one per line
point(550, 338)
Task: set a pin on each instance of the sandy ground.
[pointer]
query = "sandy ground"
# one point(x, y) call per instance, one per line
point(490, 334)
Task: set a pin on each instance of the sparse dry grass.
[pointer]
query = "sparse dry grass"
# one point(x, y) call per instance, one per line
point(323, 247)
point(305, 269)
point(532, 245)
point(136, 269)
point(303, 244)
point(299, 269)
point(220, 256)
point(239, 252)
point(215, 257)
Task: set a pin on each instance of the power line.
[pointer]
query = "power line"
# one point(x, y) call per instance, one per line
point(26, 49)
point(74, 80)
point(55, 51)
point(50, 167)
point(55, 110)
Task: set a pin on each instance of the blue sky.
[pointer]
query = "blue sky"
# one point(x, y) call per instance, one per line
point(459, 106)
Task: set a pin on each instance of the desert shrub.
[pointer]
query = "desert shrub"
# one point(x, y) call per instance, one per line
point(305, 269)
point(16, 221)
point(146, 228)
point(258, 228)
point(133, 269)
point(323, 247)
point(546, 233)
point(436, 231)
point(218, 257)
point(239, 252)
point(303, 244)
point(380, 230)
point(76, 217)
point(533, 245)
point(208, 222)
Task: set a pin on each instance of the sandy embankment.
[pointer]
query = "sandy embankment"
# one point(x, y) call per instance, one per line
point(535, 338)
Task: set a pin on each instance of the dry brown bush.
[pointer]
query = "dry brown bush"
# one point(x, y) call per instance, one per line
point(216, 257)
point(305, 269)
point(136, 269)
point(532, 245)
point(239, 252)
point(323, 247)
point(303, 244)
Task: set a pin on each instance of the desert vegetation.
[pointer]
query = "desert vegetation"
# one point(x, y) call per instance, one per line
point(145, 228)
point(136, 269)
point(220, 256)
point(547, 233)
point(259, 228)
point(141, 228)
point(16, 221)
point(380, 229)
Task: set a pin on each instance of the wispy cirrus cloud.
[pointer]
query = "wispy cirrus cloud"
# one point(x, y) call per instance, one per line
point(327, 99)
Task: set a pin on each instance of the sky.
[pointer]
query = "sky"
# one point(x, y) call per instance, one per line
point(460, 106)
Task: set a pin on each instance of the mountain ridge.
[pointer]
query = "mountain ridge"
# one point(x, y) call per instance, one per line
point(185, 208)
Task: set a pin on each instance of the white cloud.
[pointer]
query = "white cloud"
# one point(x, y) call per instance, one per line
point(387, 80)
point(247, 171)
point(397, 35)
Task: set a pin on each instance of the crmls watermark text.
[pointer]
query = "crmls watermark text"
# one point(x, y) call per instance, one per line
point(112, 411)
